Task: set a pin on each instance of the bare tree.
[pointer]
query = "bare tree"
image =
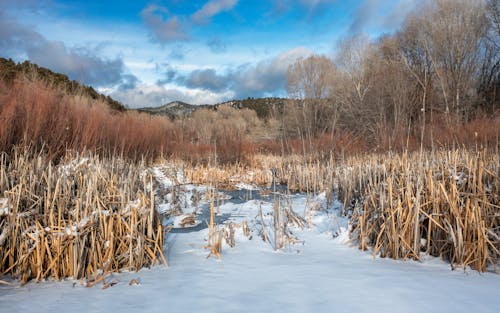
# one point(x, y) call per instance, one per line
point(393, 90)
point(309, 81)
point(356, 59)
point(489, 81)
point(452, 32)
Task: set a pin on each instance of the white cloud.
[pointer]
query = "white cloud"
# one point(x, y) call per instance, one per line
point(166, 28)
point(381, 14)
point(20, 41)
point(163, 28)
point(144, 95)
point(263, 78)
point(267, 76)
point(202, 85)
point(212, 8)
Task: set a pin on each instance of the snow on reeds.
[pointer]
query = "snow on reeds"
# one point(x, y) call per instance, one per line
point(83, 218)
point(444, 204)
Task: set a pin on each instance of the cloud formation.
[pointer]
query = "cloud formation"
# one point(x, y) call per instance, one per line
point(154, 95)
point(212, 8)
point(248, 80)
point(166, 28)
point(376, 13)
point(168, 73)
point(82, 64)
point(216, 45)
point(162, 27)
point(206, 79)
point(208, 86)
point(267, 76)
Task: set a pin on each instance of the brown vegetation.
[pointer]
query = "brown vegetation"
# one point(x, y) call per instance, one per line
point(444, 204)
point(35, 114)
point(83, 218)
point(428, 85)
point(425, 88)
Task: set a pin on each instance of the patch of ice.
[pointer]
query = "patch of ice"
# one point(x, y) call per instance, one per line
point(3, 235)
point(72, 166)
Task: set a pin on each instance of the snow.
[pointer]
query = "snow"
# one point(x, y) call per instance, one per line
point(180, 221)
point(245, 186)
point(321, 272)
point(4, 207)
point(168, 175)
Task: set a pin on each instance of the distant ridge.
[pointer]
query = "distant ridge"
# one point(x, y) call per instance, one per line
point(176, 109)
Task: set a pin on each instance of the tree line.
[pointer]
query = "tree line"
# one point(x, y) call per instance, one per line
point(440, 69)
point(431, 84)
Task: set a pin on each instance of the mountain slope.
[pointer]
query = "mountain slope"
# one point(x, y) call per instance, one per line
point(9, 70)
point(174, 109)
point(262, 106)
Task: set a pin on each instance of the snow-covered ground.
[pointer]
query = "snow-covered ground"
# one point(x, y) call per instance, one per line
point(320, 272)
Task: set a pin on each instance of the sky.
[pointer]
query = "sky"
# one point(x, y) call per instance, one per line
point(149, 53)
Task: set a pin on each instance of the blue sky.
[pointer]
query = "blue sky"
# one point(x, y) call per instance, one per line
point(148, 53)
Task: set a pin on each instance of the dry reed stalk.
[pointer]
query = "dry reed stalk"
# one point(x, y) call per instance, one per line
point(443, 204)
point(83, 218)
point(298, 173)
point(215, 236)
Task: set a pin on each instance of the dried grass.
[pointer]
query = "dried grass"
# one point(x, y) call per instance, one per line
point(444, 204)
point(82, 218)
point(46, 119)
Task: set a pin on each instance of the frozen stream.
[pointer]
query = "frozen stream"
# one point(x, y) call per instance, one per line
point(322, 274)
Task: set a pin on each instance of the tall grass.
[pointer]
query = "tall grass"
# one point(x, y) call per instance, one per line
point(100, 216)
point(48, 118)
point(83, 218)
point(402, 205)
point(35, 114)
point(444, 204)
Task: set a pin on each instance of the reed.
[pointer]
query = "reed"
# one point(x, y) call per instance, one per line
point(83, 218)
point(298, 173)
point(442, 204)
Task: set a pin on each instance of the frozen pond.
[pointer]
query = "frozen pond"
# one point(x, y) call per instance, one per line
point(321, 272)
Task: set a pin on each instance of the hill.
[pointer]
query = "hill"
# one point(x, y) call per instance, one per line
point(9, 70)
point(262, 106)
point(174, 109)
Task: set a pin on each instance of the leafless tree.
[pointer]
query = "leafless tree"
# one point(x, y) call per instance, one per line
point(356, 60)
point(309, 81)
point(489, 82)
point(451, 33)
